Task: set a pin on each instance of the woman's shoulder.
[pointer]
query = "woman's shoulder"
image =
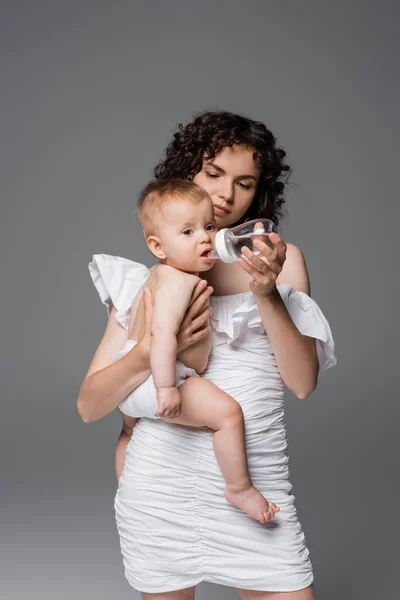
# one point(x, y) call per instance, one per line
point(294, 271)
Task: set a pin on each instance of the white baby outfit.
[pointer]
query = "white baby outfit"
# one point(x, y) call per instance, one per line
point(142, 402)
point(175, 527)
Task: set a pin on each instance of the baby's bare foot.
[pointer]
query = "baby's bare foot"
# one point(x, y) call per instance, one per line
point(252, 502)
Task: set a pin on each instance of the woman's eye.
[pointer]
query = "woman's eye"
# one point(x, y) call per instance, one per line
point(212, 175)
point(187, 231)
point(244, 186)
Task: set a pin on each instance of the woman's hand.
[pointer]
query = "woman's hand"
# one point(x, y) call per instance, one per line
point(266, 267)
point(194, 325)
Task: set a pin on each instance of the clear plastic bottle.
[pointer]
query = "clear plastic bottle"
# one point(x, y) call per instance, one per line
point(229, 242)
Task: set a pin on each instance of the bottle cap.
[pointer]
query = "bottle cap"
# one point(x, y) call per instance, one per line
point(221, 247)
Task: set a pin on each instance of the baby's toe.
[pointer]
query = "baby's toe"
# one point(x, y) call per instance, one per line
point(266, 516)
point(262, 518)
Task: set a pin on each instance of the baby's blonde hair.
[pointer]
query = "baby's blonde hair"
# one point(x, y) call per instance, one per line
point(157, 194)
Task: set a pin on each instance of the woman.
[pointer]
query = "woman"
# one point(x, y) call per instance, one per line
point(175, 528)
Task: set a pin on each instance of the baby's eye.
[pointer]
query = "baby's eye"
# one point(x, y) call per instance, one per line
point(187, 231)
point(210, 227)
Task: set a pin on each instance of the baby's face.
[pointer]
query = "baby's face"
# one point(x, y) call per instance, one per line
point(187, 230)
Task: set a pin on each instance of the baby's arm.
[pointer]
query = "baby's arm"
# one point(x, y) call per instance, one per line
point(171, 298)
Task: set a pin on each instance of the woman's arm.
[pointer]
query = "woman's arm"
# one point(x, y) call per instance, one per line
point(107, 382)
point(295, 353)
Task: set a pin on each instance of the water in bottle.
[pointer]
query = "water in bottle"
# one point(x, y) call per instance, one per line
point(229, 242)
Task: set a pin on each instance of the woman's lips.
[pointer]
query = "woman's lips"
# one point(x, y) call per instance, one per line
point(220, 210)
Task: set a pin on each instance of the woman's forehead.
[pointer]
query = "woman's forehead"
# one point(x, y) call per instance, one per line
point(236, 158)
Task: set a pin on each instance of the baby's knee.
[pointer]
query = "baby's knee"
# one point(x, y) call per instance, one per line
point(233, 413)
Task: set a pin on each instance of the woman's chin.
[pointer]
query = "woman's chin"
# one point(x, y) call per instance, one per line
point(221, 220)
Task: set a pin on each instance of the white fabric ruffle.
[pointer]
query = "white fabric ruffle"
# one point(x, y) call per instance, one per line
point(117, 281)
point(304, 311)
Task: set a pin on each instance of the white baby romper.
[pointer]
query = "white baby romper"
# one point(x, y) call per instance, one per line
point(175, 527)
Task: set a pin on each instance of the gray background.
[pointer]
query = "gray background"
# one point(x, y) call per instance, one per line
point(91, 92)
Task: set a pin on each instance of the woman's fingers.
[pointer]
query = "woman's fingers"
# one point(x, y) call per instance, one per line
point(201, 300)
point(261, 236)
point(260, 264)
point(194, 325)
point(266, 252)
point(268, 258)
point(278, 250)
point(198, 290)
point(251, 270)
point(200, 334)
point(201, 320)
point(198, 305)
point(265, 267)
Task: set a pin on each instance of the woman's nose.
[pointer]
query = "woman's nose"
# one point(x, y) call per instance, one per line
point(225, 192)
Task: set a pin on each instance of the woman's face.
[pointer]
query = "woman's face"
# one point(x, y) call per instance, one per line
point(231, 180)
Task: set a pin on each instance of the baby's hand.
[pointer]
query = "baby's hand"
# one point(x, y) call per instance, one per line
point(169, 402)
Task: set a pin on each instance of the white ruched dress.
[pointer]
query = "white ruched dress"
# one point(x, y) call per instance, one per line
point(175, 527)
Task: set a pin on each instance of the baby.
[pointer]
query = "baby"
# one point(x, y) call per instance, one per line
point(179, 226)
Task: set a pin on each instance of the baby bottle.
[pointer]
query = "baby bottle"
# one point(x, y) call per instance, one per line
point(229, 242)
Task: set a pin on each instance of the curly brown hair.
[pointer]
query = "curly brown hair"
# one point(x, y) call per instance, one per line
point(211, 132)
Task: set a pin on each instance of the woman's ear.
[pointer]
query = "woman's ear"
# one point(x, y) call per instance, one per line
point(155, 247)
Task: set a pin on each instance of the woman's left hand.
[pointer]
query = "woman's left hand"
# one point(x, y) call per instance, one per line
point(266, 267)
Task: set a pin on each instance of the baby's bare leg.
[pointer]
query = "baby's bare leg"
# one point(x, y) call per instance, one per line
point(206, 405)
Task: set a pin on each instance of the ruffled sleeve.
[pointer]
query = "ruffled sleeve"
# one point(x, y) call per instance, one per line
point(117, 281)
point(310, 320)
point(234, 316)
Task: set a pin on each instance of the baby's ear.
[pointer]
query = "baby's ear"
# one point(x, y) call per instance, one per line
point(155, 247)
